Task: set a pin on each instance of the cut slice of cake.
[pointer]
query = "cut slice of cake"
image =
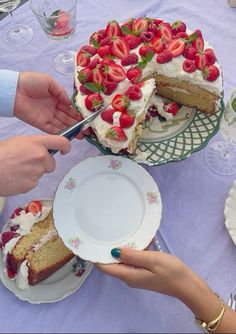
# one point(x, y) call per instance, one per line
point(125, 64)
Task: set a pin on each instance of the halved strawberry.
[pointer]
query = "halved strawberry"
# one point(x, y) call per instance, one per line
point(134, 92)
point(93, 101)
point(108, 87)
point(171, 108)
point(83, 59)
point(178, 26)
point(113, 29)
point(210, 73)
point(132, 41)
point(7, 236)
point(120, 48)
point(197, 40)
point(105, 41)
point(182, 34)
point(84, 75)
point(89, 49)
point(116, 133)
point(16, 212)
point(120, 102)
point(166, 32)
point(93, 63)
point(98, 76)
point(210, 56)
point(200, 60)
point(34, 207)
point(134, 74)
point(154, 29)
point(115, 73)
point(176, 47)
point(107, 115)
point(126, 120)
point(139, 25)
point(95, 39)
point(157, 43)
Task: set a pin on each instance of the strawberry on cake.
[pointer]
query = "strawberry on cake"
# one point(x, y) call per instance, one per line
point(133, 66)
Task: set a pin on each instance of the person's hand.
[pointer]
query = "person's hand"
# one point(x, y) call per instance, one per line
point(23, 160)
point(154, 271)
point(41, 102)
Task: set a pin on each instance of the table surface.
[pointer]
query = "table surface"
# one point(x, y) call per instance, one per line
point(192, 225)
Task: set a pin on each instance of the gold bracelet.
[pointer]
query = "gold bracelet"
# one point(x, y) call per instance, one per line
point(212, 325)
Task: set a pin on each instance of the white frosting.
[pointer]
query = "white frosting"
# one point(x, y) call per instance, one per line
point(22, 276)
point(9, 247)
point(171, 69)
point(158, 102)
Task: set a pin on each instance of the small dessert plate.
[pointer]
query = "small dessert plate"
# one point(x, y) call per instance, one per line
point(230, 212)
point(106, 202)
point(60, 285)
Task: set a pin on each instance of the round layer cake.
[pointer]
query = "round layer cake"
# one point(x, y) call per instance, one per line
point(138, 65)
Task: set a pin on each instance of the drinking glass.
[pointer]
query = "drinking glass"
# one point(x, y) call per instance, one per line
point(58, 20)
point(221, 155)
point(17, 34)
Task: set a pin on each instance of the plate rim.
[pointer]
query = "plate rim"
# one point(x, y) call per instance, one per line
point(24, 295)
point(227, 213)
point(154, 223)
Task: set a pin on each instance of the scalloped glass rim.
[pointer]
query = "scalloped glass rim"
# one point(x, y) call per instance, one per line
point(158, 155)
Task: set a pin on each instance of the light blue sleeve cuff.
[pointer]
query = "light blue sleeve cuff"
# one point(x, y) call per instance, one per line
point(8, 85)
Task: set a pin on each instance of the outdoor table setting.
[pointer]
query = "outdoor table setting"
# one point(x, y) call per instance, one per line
point(196, 216)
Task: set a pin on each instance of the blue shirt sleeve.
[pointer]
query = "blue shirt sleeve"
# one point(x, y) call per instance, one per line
point(8, 85)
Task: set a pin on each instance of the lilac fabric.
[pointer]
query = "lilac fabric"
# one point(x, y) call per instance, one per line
point(192, 225)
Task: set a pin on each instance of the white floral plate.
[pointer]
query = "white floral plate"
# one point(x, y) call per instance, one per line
point(106, 202)
point(60, 285)
point(230, 212)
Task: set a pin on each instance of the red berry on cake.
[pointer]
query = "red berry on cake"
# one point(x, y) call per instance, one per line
point(34, 207)
point(189, 66)
point(176, 47)
point(93, 63)
point(105, 41)
point(85, 90)
point(166, 32)
point(197, 40)
point(7, 236)
point(115, 73)
point(85, 75)
point(126, 120)
point(200, 60)
point(131, 59)
point(211, 73)
point(98, 76)
point(83, 58)
point(145, 50)
point(132, 41)
point(104, 51)
point(210, 56)
point(16, 212)
point(107, 115)
point(93, 101)
point(139, 25)
point(182, 35)
point(164, 57)
point(113, 29)
point(190, 52)
point(95, 39)
point(134, 92)
point(108, 87)
point(89, 49)
point(134, 74)
point(116, 133)
point(147, 36)
point(120, 102)
point(157, 43)
point(120, 48)
point(171, 108)
point(178, 26)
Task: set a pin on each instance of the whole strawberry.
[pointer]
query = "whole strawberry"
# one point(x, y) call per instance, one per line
point(211, 73)
point(178, 26)
point(93, 101)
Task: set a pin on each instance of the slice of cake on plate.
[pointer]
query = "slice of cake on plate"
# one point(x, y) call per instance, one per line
point(125, 65)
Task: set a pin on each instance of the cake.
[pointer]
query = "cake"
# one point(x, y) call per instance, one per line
point(139, 64)
point(32, 249)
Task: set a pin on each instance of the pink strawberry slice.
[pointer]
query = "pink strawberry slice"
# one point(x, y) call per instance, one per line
point(93, 101)
point(120, 48)
point(210, 56)
point(157, 43)
point(113, 29)
point(98, 76)
point(16, 212)
point(107, 115)
point(171, 108)
point(134, 92)
point(115, 73)
point(116, 133)
point(200, 60)
point(139, 25)
point(108, 87)
point(178, 26)
point(176, 47)
point(211, 73)
point(126, 120)
point(82, 59)
point(85, 75)
point(34, 207)
point(7, 236)
point(132, 41)
point(134, 74)
point(189, 66)
point(166, 32)
point(120, 102)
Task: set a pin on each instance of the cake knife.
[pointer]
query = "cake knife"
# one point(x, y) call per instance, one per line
point(74, 129)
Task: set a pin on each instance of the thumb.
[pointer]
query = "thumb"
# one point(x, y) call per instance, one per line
point(136, 258)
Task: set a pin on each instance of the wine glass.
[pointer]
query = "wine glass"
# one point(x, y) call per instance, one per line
point(17, 34)
point(58, 20)
point(221, 155)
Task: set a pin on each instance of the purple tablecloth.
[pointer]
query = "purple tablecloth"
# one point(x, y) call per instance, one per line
point(192, 225)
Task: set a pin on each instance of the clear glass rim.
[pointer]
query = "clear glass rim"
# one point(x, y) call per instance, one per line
point(74, 3)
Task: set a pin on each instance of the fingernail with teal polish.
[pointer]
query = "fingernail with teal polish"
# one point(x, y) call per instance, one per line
point(115, 252)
